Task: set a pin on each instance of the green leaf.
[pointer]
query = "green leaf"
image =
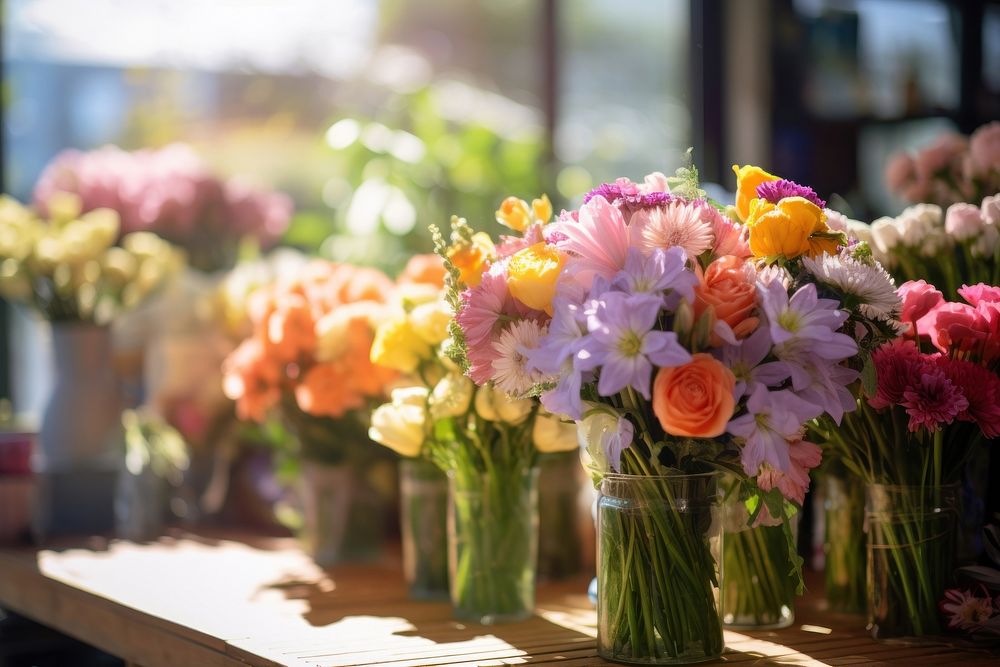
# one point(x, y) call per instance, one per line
point(869, 379)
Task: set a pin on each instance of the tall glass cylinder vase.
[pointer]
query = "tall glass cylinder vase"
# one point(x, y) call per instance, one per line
point(658, 558)
point(424, 513)
point(757, 591)
point(844, 544)
point(912, 541)
point(493, 543)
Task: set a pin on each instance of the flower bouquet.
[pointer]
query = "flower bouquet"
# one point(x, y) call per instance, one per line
point(172, 192)
point(934, 396)
point(488, 438)
point(75, 271)
point(307, 359)
point(690, 341)
point(974, 607)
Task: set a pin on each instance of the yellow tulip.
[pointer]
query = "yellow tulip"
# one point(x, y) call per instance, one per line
point(748, 178)
point(532, 275)
point(472, 259)
point(787, 229)
point(514, 213)
point(542, 208)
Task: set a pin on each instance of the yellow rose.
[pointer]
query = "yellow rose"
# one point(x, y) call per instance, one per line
point(748, 178)
point(532, 275)
point(551, 434)
point(451, 396)
point(472, 259)
point(398, 347)
point(495, 406)
point(785, 229)
point(400, 424)
point(430, 321)
point(542, 208)
point(514, 213)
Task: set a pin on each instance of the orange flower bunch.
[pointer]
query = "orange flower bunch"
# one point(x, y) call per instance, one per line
point(311, 339)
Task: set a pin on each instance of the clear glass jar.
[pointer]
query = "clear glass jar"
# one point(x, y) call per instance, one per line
point(659, 542)
point(844, 545)
point(493, 543)
point(423, 491)
point(912, 541)
point(342, 517)
point(757, 591)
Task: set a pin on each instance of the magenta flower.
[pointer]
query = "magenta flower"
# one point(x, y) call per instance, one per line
point(624, 345)
point(981, 389)
point(932, 400)
point(895, 363)
point(775, 191)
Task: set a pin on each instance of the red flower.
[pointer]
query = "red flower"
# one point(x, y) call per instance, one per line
point(896, 363)
point(931, 400)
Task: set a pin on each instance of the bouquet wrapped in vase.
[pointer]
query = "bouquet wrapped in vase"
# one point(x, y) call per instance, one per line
point(307, 359)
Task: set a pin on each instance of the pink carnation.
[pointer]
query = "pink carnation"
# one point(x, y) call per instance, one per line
point(984, 149)
point(895, 364)
point(981, 389)
point(931, 400)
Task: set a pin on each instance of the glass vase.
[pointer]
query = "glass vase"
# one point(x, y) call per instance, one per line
point(424, 513)
point(844, 543)
point(492, 543)
point(341, 523)
point(560, 548)
point(757, 590)
point(912, 540)
point(659, 539)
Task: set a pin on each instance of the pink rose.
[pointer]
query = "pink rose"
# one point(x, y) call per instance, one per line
point(984, 149)
point(980, 293)
point(954, 326)
point(963, 221)
point(919, 298)
point(899, 171)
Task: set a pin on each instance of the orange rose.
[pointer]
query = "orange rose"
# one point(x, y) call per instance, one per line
point(291, 332)
point(424, 270)
point(727, 289)
point(696, 399)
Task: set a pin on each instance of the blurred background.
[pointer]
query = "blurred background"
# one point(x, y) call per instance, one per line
point(379, 117)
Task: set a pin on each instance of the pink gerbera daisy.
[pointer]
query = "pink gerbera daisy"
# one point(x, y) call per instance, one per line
point(680, 224)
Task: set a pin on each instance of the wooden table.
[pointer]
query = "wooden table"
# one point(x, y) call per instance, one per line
point(190, 600)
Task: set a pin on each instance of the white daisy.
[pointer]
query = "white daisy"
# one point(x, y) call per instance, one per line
point(510, 368)
point(867, 284)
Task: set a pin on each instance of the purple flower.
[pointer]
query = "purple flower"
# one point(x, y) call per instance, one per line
point(660, 271)
point(775, 191)
point(744, 360)
point(805, 320)
point(772, 419)
point(628, 197)
point(624, 345)
point(823, 383)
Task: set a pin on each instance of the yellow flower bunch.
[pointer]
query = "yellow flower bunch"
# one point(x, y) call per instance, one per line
point(517, 215)
point(69, 266)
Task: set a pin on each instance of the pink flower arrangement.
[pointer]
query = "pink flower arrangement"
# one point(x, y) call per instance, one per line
point(937, 383)
point(952, 169)
point(172, 192)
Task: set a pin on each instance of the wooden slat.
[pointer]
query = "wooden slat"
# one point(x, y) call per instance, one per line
point(193, 600)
